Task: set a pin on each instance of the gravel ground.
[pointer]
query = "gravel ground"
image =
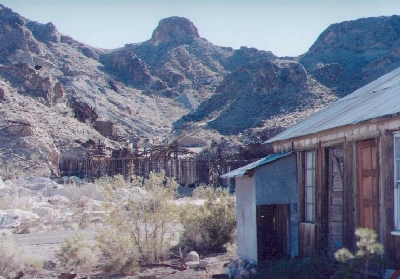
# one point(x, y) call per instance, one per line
point(43, 247)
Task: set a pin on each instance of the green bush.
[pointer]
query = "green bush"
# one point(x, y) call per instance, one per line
point(137, 230)
point(119, 252)
point(77, 252)
point(208, 227)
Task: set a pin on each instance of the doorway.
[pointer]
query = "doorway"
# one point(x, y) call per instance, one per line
point(336, 200)
point(272, 231)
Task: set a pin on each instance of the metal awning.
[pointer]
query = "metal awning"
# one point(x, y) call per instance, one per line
point(266, 160)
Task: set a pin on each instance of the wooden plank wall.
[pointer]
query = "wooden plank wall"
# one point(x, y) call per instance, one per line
point(349, 194)
point(283, 227)
point(347, 137)
point(387, 196)
point(307, 239)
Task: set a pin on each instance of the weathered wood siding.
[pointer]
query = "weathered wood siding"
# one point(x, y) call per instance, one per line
point(307, 239)
point(335, 199)
point(185, 171)
point(318, 235)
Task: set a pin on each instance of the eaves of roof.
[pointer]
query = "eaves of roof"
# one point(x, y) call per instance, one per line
point(266, 160)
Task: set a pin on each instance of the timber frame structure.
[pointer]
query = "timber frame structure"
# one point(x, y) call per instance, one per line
point(187, 167)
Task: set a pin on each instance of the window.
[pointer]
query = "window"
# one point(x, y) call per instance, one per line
point(397, 181)
point(309, 187)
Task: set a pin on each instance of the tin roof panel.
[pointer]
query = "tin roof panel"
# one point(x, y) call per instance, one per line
point(266, 160)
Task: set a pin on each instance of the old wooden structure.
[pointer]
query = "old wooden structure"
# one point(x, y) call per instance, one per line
point(266, 199)
point(348, 170)
point(187, 167)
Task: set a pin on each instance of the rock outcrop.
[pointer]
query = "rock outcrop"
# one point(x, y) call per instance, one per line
point(358, 52)
point(174, 29)
point(44, 32)
point(47, 89)
point(133, 71)
point(16, 43)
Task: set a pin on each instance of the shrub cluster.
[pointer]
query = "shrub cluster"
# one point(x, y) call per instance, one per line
point(13, 260)
point(137, 230)
point(77, 252)
point(207, 228)
point(142, 223)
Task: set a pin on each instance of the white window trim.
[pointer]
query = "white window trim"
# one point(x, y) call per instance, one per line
point(305, 187)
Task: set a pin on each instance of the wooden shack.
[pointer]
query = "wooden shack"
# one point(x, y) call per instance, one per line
point(348, 169)
point(266, 207)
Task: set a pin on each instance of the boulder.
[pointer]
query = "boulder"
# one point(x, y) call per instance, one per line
point(58, 200)
point(49, 264)
point(3, 186)
point(174, 29)
point(14, 218)
point(240, 269)
point(193, 256)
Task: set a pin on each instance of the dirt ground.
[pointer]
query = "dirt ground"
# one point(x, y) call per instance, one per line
point(43, 247)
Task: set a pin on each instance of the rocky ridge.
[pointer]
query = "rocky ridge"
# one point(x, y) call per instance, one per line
point(176, 83)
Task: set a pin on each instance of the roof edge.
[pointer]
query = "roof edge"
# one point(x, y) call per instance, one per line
point(240, 172)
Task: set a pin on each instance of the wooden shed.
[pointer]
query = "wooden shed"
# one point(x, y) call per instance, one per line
point(266, 207)
point(348, 169)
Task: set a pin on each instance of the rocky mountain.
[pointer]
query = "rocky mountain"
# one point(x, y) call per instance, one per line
point(350, 54)
point(54, 90)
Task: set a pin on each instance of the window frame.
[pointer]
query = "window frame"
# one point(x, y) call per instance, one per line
point(310, 186)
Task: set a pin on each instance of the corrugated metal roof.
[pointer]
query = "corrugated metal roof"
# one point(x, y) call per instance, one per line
point(266, 160)
point(376, 99)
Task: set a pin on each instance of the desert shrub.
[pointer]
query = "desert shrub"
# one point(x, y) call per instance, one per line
point(139, 226)
point(77, 252)
point(369, 252)
point(7, 202)
point(202, 191)
point(11, 170)
point(118, 250)
point(79, 195)
point(208, 227)
point(28, 226)
point(13, 259)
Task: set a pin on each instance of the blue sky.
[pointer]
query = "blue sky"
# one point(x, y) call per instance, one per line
point(285, 27)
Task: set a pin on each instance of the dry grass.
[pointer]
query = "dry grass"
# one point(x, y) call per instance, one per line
point(14, 259)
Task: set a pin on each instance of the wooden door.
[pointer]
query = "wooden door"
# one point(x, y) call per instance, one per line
point(368, 186)
point(335, 204)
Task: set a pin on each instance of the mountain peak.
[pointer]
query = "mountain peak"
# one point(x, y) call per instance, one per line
point(174, 29)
